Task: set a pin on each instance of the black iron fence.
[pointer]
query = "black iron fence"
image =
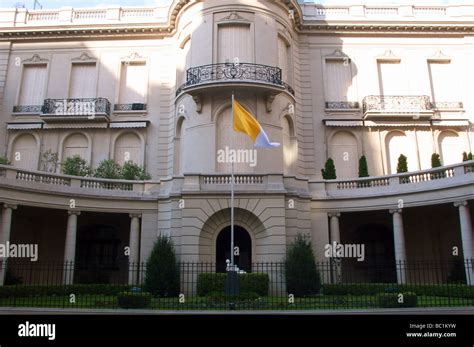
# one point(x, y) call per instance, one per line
point(267, 286)
point(76, 107)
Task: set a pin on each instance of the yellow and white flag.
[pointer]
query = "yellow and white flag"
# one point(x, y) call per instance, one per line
point(246, 123)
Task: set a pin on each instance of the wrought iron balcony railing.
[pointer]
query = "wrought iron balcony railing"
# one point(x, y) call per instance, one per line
point(397, 103)
point(447, 105)
point(341, 105)
point(76, 107)
point(230, 72)
point(27, 108)
point(130, 107)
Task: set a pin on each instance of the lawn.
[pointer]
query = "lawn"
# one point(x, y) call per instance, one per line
point(197, 303)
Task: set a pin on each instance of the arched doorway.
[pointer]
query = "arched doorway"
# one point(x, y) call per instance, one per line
point(242, 240)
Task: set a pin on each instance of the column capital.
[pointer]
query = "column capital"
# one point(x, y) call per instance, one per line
point(135, 215)
point(11, 206)
point(395, 210)
point(71, 212)
point(334, 214)
point(460, 203)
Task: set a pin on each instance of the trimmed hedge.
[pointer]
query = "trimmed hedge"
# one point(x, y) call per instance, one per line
point(392, 299)
point(21, 291)
point(249, 283)
point(134, 300)
point(451, 290)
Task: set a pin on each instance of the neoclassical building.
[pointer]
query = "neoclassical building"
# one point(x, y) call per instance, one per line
point(154, 85)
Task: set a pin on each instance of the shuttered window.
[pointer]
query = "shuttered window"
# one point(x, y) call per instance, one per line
point(338, 81)
point(83, 81)
point(391, 79)
point(33, 85)
point(133, 82)
point(234, 41)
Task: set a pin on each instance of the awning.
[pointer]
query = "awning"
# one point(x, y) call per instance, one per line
point(369, 123)
point(451, 123)
point(344, 123)
point(24, 126)
point(128, 125)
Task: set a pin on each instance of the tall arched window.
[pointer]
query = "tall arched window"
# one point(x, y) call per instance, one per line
point(290, 146)
point(25, 152)
point(128, 147)
point(343, 151)
point(284, 58)
point(76, 144)
point(451, 147)
point(398, 143)
point(179, 146)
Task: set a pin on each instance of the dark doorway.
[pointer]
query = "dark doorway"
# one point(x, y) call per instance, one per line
point(241, 240)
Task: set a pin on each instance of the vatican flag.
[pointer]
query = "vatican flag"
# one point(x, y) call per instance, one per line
point(247, 124)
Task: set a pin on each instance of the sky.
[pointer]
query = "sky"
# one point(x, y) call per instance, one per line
point(48, 4)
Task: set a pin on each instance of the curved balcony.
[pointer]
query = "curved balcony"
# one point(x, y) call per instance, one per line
point(267, 79)
point(426, 187)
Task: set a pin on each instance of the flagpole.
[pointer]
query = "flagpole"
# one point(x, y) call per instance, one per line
point(232, 198)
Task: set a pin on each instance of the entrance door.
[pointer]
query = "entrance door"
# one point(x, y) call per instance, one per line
point(241, 240)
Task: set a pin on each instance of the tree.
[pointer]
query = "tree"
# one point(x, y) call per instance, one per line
point(76, 166)
point(363, 169)
point(402, 165)
point(108, 169)
point(162, 269)
point(49, 161)
point(466, 156)
point(329, 171)
point(302, 277)
point(435, 160)
point(4, 161)
point(132, 171)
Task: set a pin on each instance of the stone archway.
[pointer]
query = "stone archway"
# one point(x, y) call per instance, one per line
point(220, 222)
point(243, 242)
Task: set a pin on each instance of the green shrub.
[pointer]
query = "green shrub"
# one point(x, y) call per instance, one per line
point(329, 171)
point(4, 161)
point(466, 156)
point(363, 168)
point(49, 161)
point(249, 283)
point(162, 269)
point(402, 165)
point(132, 171)
point(302, 277)
point(21, 291)
point(134, 300)
point(108, 169)
point(406, 299)
point(448, 290)
point(76, 166)
point(435, 160)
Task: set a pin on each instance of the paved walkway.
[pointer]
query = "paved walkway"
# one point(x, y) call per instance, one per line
point(388, 311)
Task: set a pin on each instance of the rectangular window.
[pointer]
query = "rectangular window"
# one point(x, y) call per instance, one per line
point(83, 81)
point(283, 58)
point(391, 80)
point(442, 88)
point(133, 83)
point(33, 85)
point(338, 81)
point(234, 42)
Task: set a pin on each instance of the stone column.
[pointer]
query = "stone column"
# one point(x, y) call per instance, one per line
point(6, 225)
point(134, 244)
point(70, 247)
point(336, 272)
point(399, 245)
point(467, 239)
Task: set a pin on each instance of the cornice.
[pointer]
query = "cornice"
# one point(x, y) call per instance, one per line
point(161, 30)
